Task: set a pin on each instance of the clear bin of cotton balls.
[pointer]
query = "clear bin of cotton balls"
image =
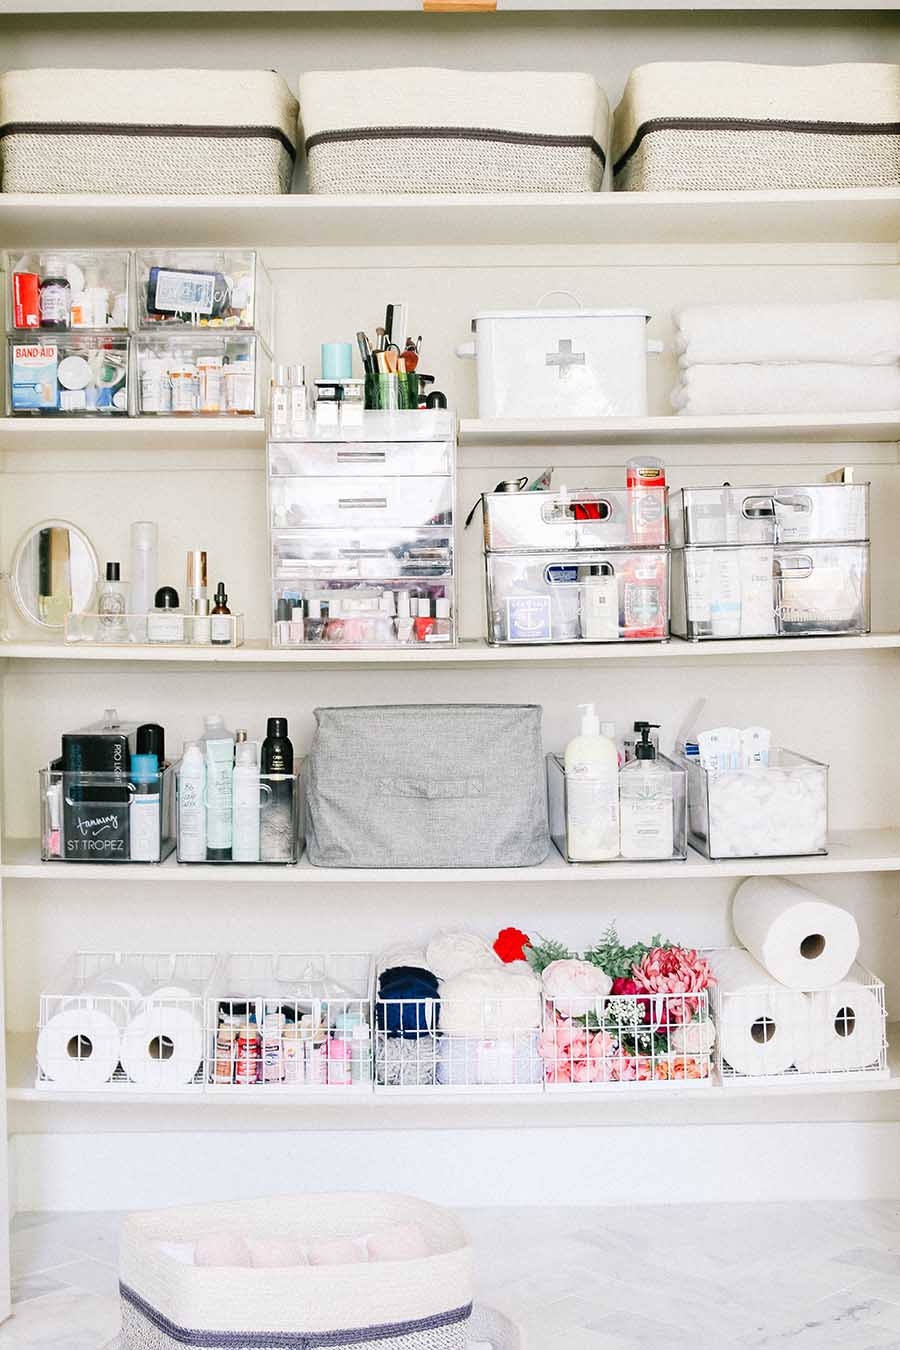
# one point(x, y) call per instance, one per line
point(771, 810)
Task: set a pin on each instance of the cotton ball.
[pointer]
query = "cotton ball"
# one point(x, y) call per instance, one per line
point(222, 1249)
point(275, 1252)
point(401, 1242)
point(337, 1252)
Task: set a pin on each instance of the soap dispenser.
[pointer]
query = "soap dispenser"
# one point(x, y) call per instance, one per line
point(646, 802)
point(592, 792)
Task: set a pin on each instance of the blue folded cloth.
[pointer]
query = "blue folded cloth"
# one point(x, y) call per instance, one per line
point(407, 1001)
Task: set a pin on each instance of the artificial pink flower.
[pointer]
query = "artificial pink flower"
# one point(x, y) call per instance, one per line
point(674, 972)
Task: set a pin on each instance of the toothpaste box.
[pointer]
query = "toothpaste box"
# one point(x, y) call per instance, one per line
point(33, 382)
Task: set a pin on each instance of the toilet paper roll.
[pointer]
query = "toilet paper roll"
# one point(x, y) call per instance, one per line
point(846, 1029)
point(763, 1028)
point(162, 1047)
point(79, 1048)
point(803, 942)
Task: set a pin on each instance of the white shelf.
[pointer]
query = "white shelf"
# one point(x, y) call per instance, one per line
point(862, 215)
point(375, 7)
point(769, 429)
point(849, 851)
point(468, 654)
point(132, 433)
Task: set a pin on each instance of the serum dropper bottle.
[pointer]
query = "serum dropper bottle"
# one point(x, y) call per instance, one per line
point(220, 620)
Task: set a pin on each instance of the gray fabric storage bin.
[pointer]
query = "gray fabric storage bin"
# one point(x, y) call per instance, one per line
point(435, 785)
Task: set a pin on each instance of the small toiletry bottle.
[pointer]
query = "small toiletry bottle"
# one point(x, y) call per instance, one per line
point(226, 1049)
point(279, 404)
point(196, 575)
point(218, 749)
point(316, 1042)
point(340, 1055)
point(592, 793)
point(247, 1059)
point(112, 606)
point(404, 617)
point(424, 622)
point(298, 400)
point(361, 1062)
point(314, 627)
point(143, 823)
point(334, 628)
point(245, 805)
point(296, 629)
point(192, 804)
point(647, 804)
point(165, 622)
point(441, 628)
point(293, 1050)
point(276, 829)
point(272, 1051)
point(283, 613)
point(600, 604)
point(220, 625)
point(646, 483)
point(55, 294)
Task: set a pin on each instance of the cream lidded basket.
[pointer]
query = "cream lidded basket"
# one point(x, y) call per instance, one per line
point(423, 1304)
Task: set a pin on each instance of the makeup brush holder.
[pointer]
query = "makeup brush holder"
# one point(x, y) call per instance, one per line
point(392, 393)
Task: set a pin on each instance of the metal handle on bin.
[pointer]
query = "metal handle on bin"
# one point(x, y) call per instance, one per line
point(758, 508)
point(793, 568)
point(576, 509)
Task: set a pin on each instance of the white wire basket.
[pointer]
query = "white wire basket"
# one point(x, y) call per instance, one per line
point(628, 1041)
point(783, 1036)
point(125, 1021)
point(290, 1023)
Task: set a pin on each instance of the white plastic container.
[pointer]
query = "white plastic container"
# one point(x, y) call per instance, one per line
point(561, 362)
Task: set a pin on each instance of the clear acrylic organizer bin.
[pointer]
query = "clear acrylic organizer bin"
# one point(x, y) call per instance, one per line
point(822, 513)
point(155, 628)
point(68, 374)
point(102, 818)
point(125, 1022)
point(616, 596)
point(782, 590)
point(627, 1041)
point(81, 290)
point(204, 288)
point(386, 554)
point(775, 812)
point(406, 612)
point(835, 1036)
point(201, 374)
point(518, 522)
point(360, 503)
point(360, 459)
point(274, 837)
point(559, 788)
point(290, 1022)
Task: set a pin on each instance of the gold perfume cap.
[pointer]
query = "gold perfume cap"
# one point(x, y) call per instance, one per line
point(196, 569)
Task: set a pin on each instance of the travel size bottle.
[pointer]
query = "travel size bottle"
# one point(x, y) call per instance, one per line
point(220, 625)
point(646, 803)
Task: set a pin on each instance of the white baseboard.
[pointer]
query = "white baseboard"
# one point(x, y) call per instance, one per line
point(608, 1165)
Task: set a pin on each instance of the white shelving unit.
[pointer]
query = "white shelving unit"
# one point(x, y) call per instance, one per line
point(336, 261)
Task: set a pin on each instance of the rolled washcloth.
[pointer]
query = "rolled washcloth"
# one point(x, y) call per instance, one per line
point(490, 1004)
point(851, 332)
point(407, 998)
point(801, 388)
point(450, 954)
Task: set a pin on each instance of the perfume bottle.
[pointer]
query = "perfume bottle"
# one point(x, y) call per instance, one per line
point(112, 606)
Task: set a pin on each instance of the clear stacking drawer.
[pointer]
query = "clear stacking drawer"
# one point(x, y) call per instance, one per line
point(361, 501)
point(825, 513)
point(765, 812)
point(578, 597)
point(337, 459)
point(382, 554)
point(520, 521)
point(68, 375)
point(201, 374)
point(204, 288)
point(60, 289)
point(370, 613)
point(798, 590)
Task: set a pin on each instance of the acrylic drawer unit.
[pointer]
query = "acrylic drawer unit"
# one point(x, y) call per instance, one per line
point(824, 513)
point(362, 533)
point(60, 289)
point(65, 374)
point(578, 597)
point(775, 811)
point(753, 591)
point(204, 288)
point(520, 521)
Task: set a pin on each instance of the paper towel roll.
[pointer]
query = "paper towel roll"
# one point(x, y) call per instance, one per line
point(162, 1047)
point(763, 1027)
point(846, 1029)
point(803, 942)
point(79, 1048)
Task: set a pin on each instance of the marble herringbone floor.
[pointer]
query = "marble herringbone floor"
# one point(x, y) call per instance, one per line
point(722, 1277)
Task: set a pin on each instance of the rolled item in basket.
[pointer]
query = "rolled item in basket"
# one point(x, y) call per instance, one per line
point(693, 1038)
point(450, 954)
point(846, 1029)
point(575, 987)
point(407, 1001)
point(162, 1048)
point(739, 390)
point(80, 1047)
point(490, 1004)
point(804, 942)
point(406, 1063)
point(846, 332)
point(468, 1062)
point(763, 1028)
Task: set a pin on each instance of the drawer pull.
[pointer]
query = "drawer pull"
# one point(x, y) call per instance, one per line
point(361, 457)
point(367, 503)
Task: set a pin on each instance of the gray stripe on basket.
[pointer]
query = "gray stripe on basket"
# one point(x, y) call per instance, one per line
point(753, 124)
point(455, 134)
point(290, 1340)
point(147, 129)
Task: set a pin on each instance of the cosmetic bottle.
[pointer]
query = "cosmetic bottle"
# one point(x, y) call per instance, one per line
point(340, 1054)
point(283, 612)
point(646, 483)
point(201, 624)
point(54, 575)
point(218, 748)
point(247, 1055)
point(404, 617)
point(245, 801)
point(142, 586)
point(279, 404)
point(144, 810)
point(294, 1055)
point(112, 606)
point(192, 804)
point(600, 604)
point(441, 626)
point(592, 793)
point(424, 621)
point(276, 832)
point(314, 626)
point(647, 797)
point(296, 629)
point(196, 576)
point(272, 1051)
point(633, 738)
point(220, 625)
point(55, 294)
point(165, 622)
point(150, 739)
point(334, 627)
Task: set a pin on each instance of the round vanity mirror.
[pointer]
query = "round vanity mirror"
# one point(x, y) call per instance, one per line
point(54, 573)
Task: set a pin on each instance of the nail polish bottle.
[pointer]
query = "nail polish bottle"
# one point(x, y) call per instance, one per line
point(334, 628)
point(404, 625)
point(283, 622)
point(314, 627)
point(440, 630)
point(296, 628)
point(424, 619)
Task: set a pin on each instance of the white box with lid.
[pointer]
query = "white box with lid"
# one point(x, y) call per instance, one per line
point(552, 363)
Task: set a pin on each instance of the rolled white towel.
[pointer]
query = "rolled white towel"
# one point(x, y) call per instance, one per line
point(490, 1004)
point(801, 388)
point(849, 332)
point(449, 954)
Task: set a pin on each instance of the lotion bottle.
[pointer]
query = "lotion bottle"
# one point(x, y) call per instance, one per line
point(245, 801)
point(192, 804)
point(592, 792)
point(647, 803)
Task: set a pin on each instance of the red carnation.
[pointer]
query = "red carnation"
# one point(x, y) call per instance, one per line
point(511, 944)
